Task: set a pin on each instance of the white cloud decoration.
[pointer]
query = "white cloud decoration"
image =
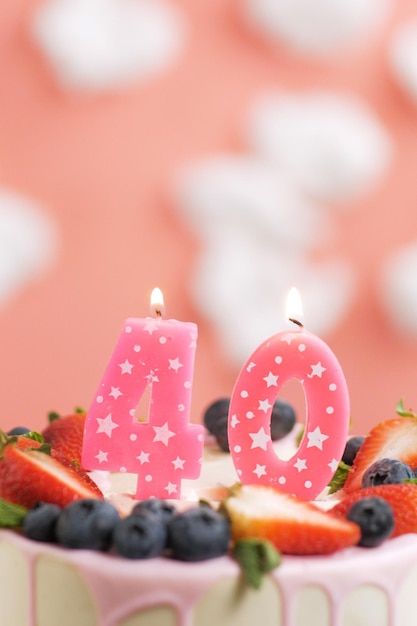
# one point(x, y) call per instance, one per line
point(403, 57)
point(257, 231)
point(398, 288)
point(331, 143)
point(317, 27)
point(105, 44)
point(28, 243)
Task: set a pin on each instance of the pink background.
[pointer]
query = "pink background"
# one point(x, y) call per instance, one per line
point(103, 164)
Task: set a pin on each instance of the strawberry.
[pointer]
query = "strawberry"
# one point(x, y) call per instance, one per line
point(394, 439)
point(401, 497)
point(65, 434)
point(292, 525)
point(28, 476)
point(24, 443)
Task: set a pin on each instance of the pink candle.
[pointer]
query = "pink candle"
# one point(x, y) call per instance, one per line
point(159, 354)
point(291, 354)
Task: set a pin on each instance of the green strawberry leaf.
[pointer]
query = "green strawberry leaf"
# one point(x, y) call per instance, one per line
point(339, 477)
point(402, 412)
point(11, 515)
point(256, 557)
point(34, 436)
point(53, 416)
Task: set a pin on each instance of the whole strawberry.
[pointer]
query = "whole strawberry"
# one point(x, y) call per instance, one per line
point(292, 525)
point(65, 434)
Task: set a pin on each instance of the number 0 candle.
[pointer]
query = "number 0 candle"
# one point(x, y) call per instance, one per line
point(291, 354)
point(159, 354)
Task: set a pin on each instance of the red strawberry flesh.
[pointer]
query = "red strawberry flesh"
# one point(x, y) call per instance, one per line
point(290, 524)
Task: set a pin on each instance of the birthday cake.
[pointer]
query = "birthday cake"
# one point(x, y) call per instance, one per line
point(322, 579)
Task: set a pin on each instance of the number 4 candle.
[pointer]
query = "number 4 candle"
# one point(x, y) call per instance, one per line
point(155, 353)
point(290, 354)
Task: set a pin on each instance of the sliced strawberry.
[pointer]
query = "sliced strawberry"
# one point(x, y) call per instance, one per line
point(401, 497)
point(24, 443)
point(292, 525)
point(394, 439)
point(29, 476)
point(65, 434)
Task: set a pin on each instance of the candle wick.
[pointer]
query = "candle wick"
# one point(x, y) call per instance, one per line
point(296, 322)
point(158, 312)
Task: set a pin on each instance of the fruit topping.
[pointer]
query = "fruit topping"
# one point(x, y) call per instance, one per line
point(393, 439)
point(142, 535)
point(292, 525)
point(65, 434)
point(375, 518)
point(256, 557)
point(386, 472)
point(216, 419)
point(87, 524)
point(198, 534)
point(161, 508)
point(351, 449)
point(40, 522)
point(30, 475)
point(18, 430)
point(401, 498)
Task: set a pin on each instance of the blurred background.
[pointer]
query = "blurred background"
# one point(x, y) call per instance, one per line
point(222, 150)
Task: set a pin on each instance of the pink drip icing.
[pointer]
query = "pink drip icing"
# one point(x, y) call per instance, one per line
point(122, 587)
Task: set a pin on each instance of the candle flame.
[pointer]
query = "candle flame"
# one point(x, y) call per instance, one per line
point(157, 302)
point(294, 306)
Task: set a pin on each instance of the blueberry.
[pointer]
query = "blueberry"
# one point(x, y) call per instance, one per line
point(351, 449)
point(375, 518)
point(386, 472)
point(163, 509)
point(220, 431)
point(214, 411)
point(140, 536)
point(18, 430)
point(283, 418)
point(40, 522)
point(87, 524)
point(198, 534)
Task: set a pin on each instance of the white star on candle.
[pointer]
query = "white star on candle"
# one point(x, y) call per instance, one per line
point(316, 370)
point(115, 392)
point(178, 463)
point(174, 364)
point(152, 378)
point(250, 366)
point(300, 464)
point(143, 457)
point(260, 470)
point(171, 488)
point(234, 421)
point(106, 425)
point(259, 439)
point(150, 326)
point(163, 434)
point(287, 339)
point(271, 380)
point(126, 367)
point(102, 456)
point(264, 405)
point(316, 438)
point(334, 464)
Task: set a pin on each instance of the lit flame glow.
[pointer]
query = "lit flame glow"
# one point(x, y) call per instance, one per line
point(157, 302)
point(294, 305)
